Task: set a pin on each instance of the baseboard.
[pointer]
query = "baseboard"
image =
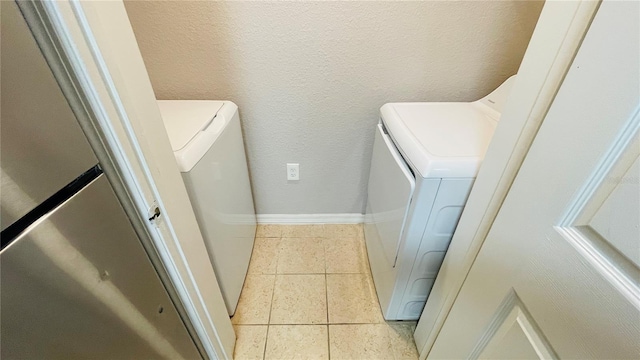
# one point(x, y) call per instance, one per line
point(301, 219)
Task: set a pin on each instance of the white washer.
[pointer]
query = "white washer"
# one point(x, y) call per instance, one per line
point(425, 159)
point(207, 142)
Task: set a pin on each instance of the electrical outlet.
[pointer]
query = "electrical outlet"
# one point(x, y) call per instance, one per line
point(293, 171)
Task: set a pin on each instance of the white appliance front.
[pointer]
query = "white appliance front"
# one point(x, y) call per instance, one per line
point(217, 181)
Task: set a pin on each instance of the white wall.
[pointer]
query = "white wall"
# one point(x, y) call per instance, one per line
point(309, 77)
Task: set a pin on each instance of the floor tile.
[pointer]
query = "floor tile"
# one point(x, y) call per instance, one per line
point(264, 259)
point(301, 256)
point(341, 230)
point(297, 342)
point(303, 231)
point(351, 299)
point(304, 295)
point(255, 300)
point(402, 343)
point(344, 255)
point(365, 341)
point(250, 342)
point(269, 230)
point(299, 299)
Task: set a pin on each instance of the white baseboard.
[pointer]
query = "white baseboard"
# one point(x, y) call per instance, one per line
point(301, 219)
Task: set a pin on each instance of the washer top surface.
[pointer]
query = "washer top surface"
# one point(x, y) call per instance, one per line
point(184, 119)
point(194, 126)
point(446, 139)
point(441, 139)
point(449, 129)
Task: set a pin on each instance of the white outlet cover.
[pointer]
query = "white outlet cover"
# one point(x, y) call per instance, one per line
point(293, 171)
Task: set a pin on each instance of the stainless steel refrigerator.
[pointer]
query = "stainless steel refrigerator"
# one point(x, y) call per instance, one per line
point(75, 280)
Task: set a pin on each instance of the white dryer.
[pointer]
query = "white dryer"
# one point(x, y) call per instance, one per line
point(425, 159)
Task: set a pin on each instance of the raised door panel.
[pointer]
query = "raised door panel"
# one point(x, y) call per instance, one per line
point(513, 334)
point(615, 221)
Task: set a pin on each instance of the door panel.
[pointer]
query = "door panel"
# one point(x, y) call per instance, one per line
point(391, 186)
point(614, 221)
point(565, 243)
point(602, 222)
point(513, 335)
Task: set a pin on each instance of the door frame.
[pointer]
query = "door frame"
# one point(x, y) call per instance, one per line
point(556, 39)
point(93, 54)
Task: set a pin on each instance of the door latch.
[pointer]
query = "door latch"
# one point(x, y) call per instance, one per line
point(154, 213)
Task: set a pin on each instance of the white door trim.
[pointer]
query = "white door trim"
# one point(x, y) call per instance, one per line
point(555, 41)
point(116, 141)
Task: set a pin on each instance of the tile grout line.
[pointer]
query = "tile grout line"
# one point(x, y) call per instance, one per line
point(273, 292)
point(311, 273)
point(321, 324)
point(328, 343)
point(326, 295)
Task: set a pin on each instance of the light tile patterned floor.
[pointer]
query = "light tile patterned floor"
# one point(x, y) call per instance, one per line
point(309, 295)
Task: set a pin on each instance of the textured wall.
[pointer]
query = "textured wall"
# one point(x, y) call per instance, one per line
point(309, 77)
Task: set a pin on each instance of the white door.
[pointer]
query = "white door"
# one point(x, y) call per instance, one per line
point(558, 275)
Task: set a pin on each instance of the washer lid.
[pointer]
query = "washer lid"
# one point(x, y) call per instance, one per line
point(184, 119)
point(442, 139)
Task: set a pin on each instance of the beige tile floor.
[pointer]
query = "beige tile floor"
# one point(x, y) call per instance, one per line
point(309, 295)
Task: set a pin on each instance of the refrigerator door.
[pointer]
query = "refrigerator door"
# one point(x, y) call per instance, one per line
point(78, 284)
point(43, 147)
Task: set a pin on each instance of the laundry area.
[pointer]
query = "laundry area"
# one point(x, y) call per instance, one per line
point(320, 180)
